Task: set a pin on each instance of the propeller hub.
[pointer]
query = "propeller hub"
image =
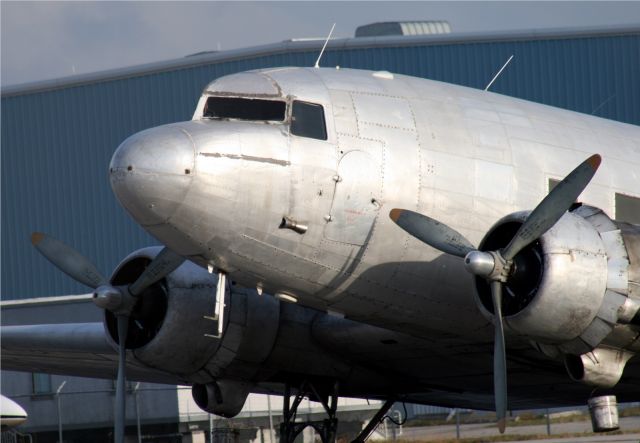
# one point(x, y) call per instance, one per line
point(488, 265)
point(116, 299)
point(479, 263)
point(107, 297)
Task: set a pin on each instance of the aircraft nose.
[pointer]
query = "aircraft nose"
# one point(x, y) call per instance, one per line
point(151, 171)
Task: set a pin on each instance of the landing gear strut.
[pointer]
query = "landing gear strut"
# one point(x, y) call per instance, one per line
point(374, 422)
point(327, 428)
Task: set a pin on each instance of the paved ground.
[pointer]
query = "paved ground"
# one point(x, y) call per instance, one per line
point(485, 430)
point(626, 438)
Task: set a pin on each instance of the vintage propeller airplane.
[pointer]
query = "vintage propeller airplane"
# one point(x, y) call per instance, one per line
point(290, 180)
point(11, 414)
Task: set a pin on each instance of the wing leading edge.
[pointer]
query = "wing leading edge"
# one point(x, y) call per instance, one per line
point(77, 349)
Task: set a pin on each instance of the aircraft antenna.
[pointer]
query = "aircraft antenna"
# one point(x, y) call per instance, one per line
point(317, 65)
point(602, 104)
point(498, 74)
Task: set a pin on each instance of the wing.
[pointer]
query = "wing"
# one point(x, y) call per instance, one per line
point(79, 349)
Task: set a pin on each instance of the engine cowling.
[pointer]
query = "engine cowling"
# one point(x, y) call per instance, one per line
point(574, 290)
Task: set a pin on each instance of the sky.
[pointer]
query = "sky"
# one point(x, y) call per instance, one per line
point(45, 40)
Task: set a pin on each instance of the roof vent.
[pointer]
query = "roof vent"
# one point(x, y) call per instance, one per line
point(404, 28)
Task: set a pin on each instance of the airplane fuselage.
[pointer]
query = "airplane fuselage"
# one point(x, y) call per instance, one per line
point(219, 190)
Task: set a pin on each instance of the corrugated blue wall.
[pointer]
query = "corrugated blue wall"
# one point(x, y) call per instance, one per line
point(56, 145)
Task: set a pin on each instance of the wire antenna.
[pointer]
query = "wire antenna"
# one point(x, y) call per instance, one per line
point(317, 65)
point(498, 74)
point(602, 104)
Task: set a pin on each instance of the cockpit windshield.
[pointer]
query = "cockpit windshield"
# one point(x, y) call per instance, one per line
point(245, 109)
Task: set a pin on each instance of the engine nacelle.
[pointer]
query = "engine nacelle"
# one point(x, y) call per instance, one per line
point(574, 286)
point(171, 329)
point(223, 397)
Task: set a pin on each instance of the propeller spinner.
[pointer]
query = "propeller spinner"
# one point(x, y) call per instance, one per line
point(117, 299)
point(497, 266)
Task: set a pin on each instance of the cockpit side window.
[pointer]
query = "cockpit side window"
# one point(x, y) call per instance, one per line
point(307, 120)
point(245, 109)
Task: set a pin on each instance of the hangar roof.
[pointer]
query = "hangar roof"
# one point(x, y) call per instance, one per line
point(295, 45)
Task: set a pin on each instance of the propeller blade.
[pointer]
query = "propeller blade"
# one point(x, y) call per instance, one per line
point(553, 206)
point(432, 232)
point(120, 407)
point(499, 358)
point(164, 263)
point(68, 260)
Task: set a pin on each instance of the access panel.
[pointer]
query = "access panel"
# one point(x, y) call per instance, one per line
point(355, 205)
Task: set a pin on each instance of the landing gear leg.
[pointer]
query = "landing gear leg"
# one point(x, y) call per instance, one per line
point(374, 422)
point(327, 428)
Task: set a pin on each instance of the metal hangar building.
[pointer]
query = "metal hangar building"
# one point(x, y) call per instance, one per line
point(58, 137)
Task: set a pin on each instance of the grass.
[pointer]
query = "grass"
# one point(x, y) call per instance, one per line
point(500, 438)
point(541, 420)
point(522, 419)
point(630, 412)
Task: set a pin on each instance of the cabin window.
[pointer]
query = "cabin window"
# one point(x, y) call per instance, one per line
point(245, 109)
point(307, 120)
point(41, 383)
point(628, 209)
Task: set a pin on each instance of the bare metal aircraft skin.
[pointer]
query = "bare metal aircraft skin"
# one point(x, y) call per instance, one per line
point(284, 180)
